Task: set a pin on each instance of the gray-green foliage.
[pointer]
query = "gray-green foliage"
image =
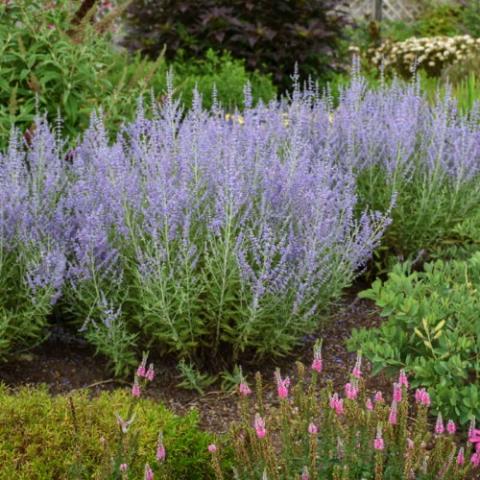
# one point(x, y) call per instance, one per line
point(432, 328)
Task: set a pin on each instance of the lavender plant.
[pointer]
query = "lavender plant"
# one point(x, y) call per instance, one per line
point(316, 433)
point(423, 158)
point(32, 260)
point(201, 235)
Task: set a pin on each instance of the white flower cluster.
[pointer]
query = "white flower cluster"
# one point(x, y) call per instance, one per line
point(430, 53)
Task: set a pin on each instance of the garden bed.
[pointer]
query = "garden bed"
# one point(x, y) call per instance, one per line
point(69, 365)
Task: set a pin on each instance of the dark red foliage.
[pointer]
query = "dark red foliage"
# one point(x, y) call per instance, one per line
point(271, 35)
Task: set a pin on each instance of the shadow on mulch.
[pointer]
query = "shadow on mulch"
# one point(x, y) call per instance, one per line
point(67, 367)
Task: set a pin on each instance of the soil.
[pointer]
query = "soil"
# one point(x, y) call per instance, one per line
point(68, 365)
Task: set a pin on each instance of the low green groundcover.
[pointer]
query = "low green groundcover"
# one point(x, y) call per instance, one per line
point(44, 437)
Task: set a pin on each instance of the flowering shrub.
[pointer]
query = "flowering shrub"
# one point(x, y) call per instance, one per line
point(431, 54)
point(423, 158)
point(319, 433)
point(32, 259)
point(432, 329)
point(198, 234)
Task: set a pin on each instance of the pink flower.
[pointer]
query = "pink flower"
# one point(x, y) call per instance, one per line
point(161, 452)
point(282, 385)
point(451, 427)
point(369, 404)
point(317, 364)
point(397, 392)
point(305, 474)
point(312, 429)
point(378, 397)
point(212, 448)
point(439, 427)
point(378, 443)
point(150, 374)
point(148, 473)
point(351, 391)
point(422, 397)
point(392, 417)
point(461, 457)
point(402, 378)
point(123, 467)
point(356, 372)
point(141, 370)
point(475, 459)
point(244, 389)
point(410, 443)
point(474, 435)
point(136, 388)
point(336, 404)
point(260, 426)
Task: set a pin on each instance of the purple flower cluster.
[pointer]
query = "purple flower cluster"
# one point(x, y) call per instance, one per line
point(235, 232)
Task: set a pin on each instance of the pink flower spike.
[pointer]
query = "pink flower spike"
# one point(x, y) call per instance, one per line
point(148, 473)
point(123, 467)
point(392, 418)
point(312, 429)
point(378, 397)
point(410, 443)
point(461, 457)
point(136, 388)
point(317, 364)
point(351, 391)
point(141, 370)
point(475, 459)
point(336, 404)
point(369, 404)
point(422, 397)
point(439, 427)
point(161, 452)
point(378, 443)
point(397, 392)
point(212, 448)
point(305, 474)
point(402, 378)
point(150, 374)
point(451, 427)
point(474, 435)
point(356, 372)
point(259, 426)
point(244, 389)
point(282, 385)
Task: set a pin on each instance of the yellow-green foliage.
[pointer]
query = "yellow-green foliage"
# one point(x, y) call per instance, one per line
point(41, 440)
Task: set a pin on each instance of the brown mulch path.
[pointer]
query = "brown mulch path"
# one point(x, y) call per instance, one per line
point(64, 368)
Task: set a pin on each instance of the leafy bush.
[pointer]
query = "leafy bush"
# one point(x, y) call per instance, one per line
point(432, 329)
point(77, 437)
point(47, 65)
point(299, 32)
point(315, 433)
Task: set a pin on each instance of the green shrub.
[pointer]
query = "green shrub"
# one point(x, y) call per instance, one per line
point(43, 437)
point(432, 329)
point(270, 35)
point(44, 67)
